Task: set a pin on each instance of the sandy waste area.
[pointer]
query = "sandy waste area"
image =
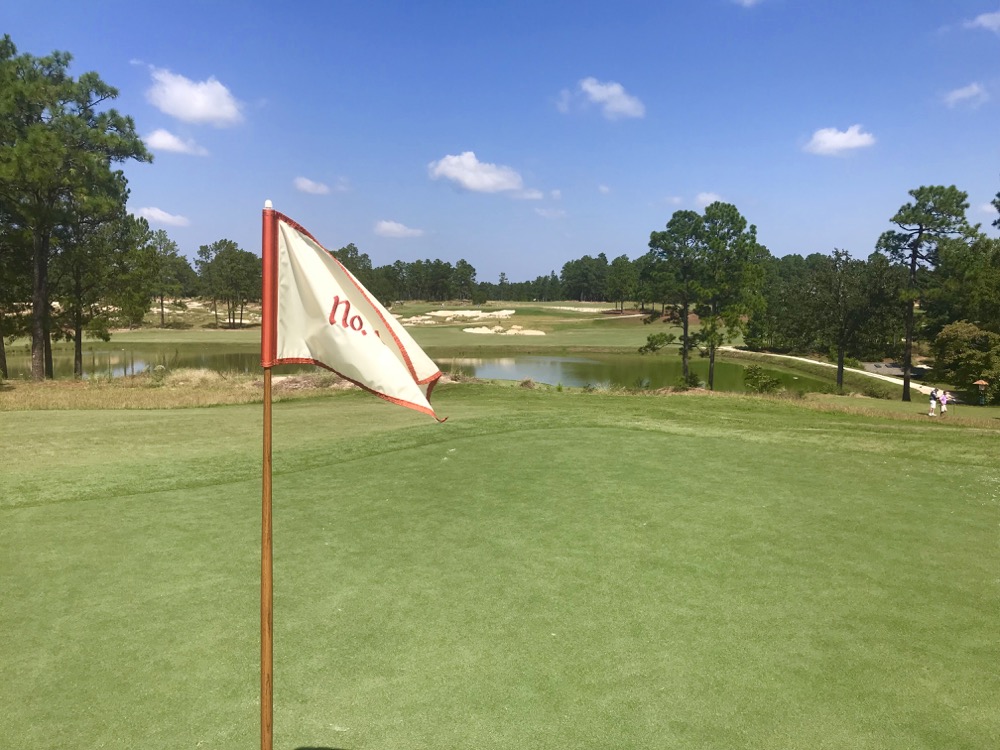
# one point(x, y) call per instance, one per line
point(472, 316)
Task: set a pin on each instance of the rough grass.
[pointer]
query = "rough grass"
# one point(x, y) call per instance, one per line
point(167, 389)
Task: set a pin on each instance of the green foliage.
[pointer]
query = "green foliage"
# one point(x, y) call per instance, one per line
point(586, 279)
point(873, 388)
point(936, 216)
point(57, 150)
point(965, 353)
point(691, 380)
point(758, 381)
point(656, 341)
point(965, 286)
point(622, 281)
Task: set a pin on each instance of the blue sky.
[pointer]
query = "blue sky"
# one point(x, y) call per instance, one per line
point(520, 135)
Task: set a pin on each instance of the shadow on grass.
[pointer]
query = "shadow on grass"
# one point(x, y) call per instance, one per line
point(310, 747)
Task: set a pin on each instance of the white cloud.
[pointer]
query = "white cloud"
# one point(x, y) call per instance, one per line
point(193, 101)
point(988, 209)
point(603, 189)
point(472, 174)
point(706, 199)
point(550, 213)
point(614, 101)
point(974, 94)
point(164, 140)
point(675, 200)
point(555, 194)
point(159, 216)
point(831, 142)
point(395, 229)
point(305, 185)
point(747, 3)
point(988, 21)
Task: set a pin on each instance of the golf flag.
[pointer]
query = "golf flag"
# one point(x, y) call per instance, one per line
point(316, 312)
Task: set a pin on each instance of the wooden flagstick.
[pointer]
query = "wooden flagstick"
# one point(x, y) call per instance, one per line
point(268, 353)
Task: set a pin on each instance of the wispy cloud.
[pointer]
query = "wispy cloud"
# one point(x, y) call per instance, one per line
point(395, 229)
point(988, 21)
point(305, 185)
point(833, 142)
point(603, 189)
point(747, 3)
point(611, 97)
point(164, 140)
point(551, 213)
point(974, 94)
point(707, 199)
point(531, 194)
point(468, 172)
point(159, 216)
point(205, 102)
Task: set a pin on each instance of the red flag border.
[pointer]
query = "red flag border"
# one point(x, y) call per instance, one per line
point(269, 356)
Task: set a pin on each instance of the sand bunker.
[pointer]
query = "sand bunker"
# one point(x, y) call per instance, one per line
point(450, 316)
point(471, 314)
point(581, 309)
point(499, 331)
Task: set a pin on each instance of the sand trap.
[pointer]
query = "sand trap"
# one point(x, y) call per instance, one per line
point(582, 309)
point(450, 316)
point(472, 314)
point(499, 331)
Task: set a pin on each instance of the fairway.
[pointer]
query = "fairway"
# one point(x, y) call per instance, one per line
point(544, 570)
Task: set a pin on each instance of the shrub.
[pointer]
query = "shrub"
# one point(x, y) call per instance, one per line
point(691, 381)
point(758, 381)
point(877, 389)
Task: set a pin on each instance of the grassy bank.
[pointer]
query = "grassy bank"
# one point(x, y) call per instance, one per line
point(546, 569)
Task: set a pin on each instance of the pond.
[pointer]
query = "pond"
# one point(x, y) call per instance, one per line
point(617, 370)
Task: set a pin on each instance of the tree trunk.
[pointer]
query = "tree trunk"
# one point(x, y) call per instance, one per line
point(78, 345)
point(711, 367)
point(908, 351)
point(4, 374)
point(48, 349)
point(163, 323)
point(39, 304)
point(840, 367)
point(908, 345)
point(78, 327)
point(685, 343)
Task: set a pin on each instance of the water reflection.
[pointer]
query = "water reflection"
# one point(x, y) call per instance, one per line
point(618, 370)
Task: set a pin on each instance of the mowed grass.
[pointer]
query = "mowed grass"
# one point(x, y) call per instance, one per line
point(543, 570)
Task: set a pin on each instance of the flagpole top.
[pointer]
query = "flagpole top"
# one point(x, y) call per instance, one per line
point(268, 204)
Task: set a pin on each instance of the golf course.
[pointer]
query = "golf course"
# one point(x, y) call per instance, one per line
point(552, 567)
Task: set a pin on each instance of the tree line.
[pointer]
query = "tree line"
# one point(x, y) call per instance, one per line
point(75, 263)
point(934, 280)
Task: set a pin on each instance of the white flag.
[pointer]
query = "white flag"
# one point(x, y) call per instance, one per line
point(326, 317)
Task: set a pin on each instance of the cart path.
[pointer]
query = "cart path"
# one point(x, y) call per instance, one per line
point(926, 389)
